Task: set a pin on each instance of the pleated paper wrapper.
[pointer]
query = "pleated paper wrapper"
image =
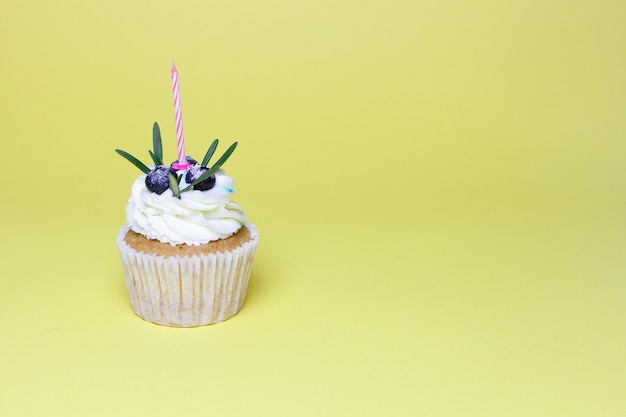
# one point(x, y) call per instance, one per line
point(191, 290)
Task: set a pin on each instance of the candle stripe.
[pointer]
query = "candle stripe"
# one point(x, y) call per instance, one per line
point(178, 116)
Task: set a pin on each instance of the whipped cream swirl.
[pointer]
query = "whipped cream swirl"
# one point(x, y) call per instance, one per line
point(196, 218)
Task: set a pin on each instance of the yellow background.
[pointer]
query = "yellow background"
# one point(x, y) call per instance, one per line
point(440, 188)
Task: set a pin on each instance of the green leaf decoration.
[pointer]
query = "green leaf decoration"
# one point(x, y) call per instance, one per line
point(156, 154)
point(214, 168)
point(155, 159)
point(173, 185)
point(136, 162)
point(156, 142)
point(224, 157)
point(209, 153)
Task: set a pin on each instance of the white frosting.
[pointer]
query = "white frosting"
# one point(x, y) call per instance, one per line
point(196, 218)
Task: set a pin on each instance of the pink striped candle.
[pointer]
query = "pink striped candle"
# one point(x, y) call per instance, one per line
point(178, 115)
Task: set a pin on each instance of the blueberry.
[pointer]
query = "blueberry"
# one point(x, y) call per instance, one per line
point(157, 181)
point(195, 173)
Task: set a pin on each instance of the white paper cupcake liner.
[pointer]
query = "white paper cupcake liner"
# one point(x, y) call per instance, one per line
point(187, 291)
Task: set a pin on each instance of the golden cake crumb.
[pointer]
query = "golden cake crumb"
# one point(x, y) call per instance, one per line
point(149, 246)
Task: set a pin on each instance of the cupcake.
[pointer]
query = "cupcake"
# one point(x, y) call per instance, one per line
point(187, 249)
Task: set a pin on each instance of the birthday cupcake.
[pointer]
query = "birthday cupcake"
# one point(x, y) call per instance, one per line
point(187, 249)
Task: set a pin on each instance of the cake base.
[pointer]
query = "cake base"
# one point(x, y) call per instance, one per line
point(187, 286)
